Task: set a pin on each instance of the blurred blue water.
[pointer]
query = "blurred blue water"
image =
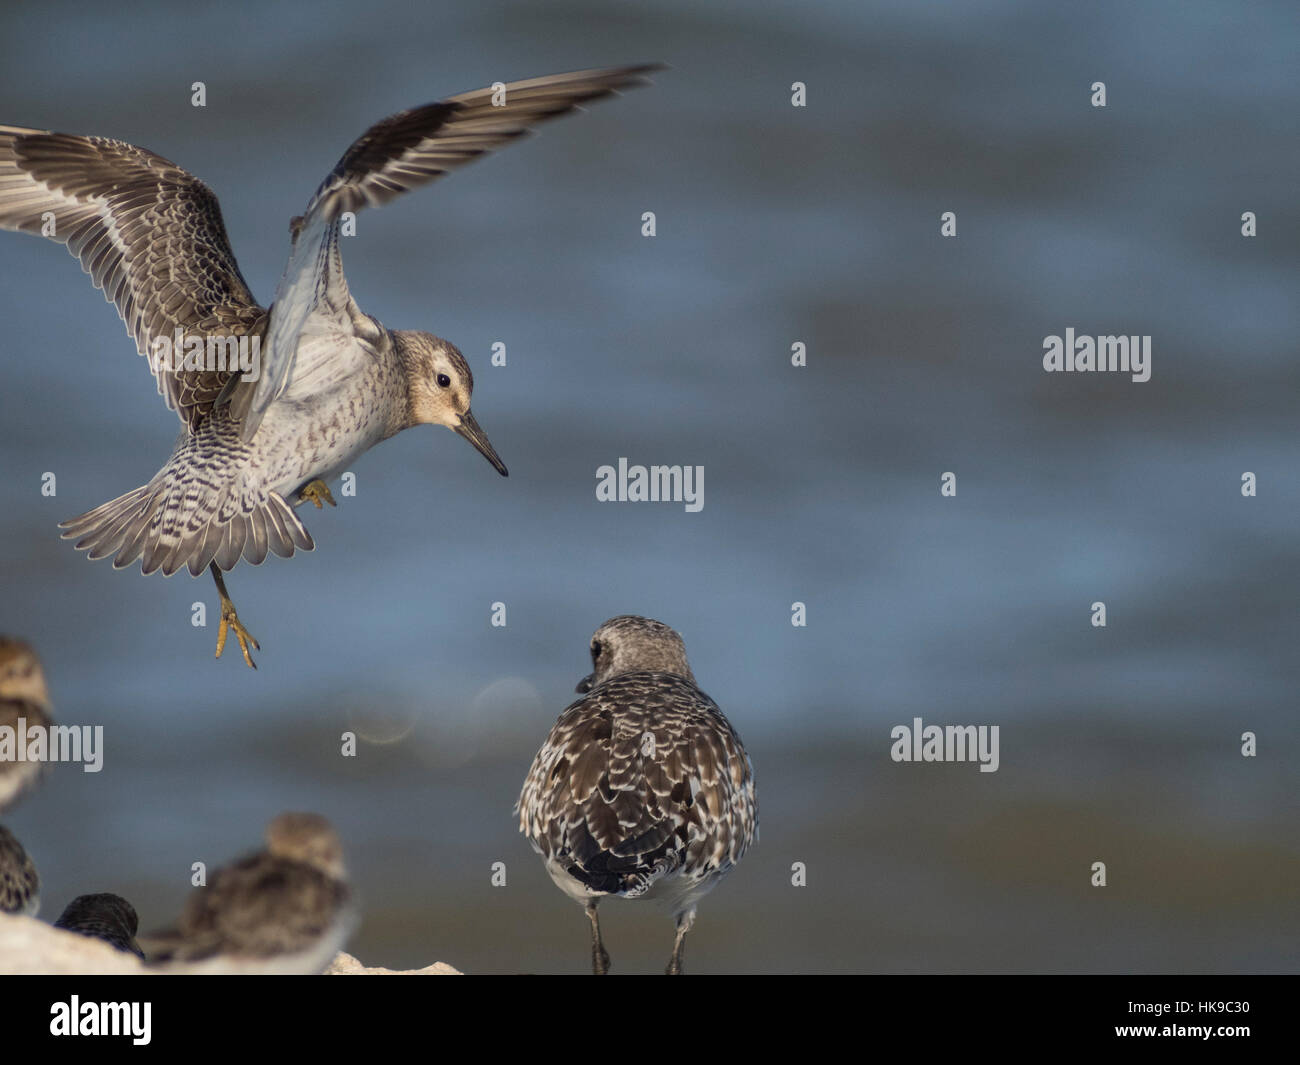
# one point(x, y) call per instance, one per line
point(775, 224)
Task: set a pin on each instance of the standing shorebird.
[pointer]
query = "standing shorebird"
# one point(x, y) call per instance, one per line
point(273, 402)
point(24, 707)
point(104, 916)
point(642, 789)
point(284, 910)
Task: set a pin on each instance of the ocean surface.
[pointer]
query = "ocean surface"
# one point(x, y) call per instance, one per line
point(775, 225)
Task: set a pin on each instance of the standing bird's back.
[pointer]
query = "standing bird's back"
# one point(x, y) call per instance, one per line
point(641, 779)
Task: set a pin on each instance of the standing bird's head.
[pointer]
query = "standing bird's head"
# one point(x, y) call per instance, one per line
point(439, 387)
point(628, 643)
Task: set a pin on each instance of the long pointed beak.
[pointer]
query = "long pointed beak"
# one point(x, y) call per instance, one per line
point(469, 429)
point(586, 684)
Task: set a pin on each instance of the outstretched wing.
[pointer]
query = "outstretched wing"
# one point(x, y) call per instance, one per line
point(404, 150)
point(149, 234)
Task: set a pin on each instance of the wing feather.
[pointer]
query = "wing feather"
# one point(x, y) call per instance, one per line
point(399, 153)
point(148, 233)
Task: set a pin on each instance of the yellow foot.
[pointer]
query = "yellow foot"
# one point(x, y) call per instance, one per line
point(230, 622)
point(314, 492)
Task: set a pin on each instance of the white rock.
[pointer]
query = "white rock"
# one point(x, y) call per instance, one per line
point(29, 947)
point(347, 965)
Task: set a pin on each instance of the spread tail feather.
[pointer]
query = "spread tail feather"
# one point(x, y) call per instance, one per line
point(169, 529)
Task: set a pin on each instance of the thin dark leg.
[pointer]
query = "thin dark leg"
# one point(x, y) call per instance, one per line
point(599, 956)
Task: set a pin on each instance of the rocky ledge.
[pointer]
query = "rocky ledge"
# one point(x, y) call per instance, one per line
point(29, 947)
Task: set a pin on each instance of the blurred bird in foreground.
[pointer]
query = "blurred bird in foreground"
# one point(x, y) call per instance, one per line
point(24, 707)
point(104, 916)
point(284, 910)
point(20, 887)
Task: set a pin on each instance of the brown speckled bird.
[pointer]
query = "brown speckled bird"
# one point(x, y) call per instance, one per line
point(103, 916)
point(643, 789)
point(24, 706)
point(20, 887)
point(284, 910)
point(273, 402)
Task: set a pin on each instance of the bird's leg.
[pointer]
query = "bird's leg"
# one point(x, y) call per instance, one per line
point(599, 956)
point(230, 620)
point(314, 492)
point(685, 921)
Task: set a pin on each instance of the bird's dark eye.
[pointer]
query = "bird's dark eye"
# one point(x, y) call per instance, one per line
point(595, 650)
point(444, 381)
